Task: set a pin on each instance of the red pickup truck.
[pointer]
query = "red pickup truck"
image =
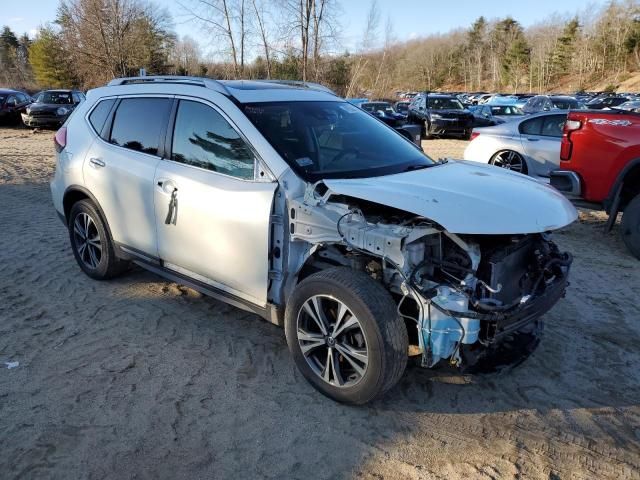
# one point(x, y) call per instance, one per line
point(600, 166)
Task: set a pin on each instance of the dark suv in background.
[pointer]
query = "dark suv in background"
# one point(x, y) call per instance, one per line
point(52, 107)
point(12, 104)
point(441, 115)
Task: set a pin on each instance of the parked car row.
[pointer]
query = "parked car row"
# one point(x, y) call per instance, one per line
point(49, 108)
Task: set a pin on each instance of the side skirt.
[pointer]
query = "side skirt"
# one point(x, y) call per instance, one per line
point(270, 313)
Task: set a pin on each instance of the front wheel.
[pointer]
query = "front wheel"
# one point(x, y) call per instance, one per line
point(345, 335)
point(631, 226)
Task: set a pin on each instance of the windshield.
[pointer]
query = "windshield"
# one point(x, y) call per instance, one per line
point(506, 110)
point(55, 98)
point(374, 107)
point(564, 103)
point(436, 103)
point(333, 140)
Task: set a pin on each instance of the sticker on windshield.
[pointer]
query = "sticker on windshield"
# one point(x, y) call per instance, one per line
point(304, 161)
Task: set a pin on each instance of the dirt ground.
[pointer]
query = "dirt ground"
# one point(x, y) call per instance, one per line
point(140, 378)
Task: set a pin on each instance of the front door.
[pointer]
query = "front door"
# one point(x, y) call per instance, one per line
point(212, 214)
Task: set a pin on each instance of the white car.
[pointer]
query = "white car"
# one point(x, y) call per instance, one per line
point(529, 145)
point(291, 203)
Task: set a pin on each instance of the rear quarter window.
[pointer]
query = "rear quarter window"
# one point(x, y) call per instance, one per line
point(100, 113)
point(531, 127)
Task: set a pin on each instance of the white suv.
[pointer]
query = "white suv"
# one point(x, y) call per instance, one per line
point(283, 199)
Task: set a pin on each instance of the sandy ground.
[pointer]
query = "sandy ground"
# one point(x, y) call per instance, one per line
point(140, 378)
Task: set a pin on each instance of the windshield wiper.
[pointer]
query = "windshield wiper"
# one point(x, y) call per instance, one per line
point(411, 168)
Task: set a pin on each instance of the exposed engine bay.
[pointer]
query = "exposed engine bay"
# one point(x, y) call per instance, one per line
point(458, 294)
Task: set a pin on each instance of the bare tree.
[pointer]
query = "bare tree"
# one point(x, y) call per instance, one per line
point(262, 30)
point(111, 38)
point(220, 17)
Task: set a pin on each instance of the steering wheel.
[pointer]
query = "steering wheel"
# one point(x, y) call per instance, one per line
point(341, 155)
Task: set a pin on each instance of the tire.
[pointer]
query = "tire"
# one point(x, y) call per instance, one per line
point(377, 326)
point(630, 226)
point(515, 157)
point(96, 257)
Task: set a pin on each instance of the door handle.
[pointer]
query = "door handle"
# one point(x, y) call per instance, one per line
point(167, 186)
point(96, 162)
point(172, 214)
point(533, 139)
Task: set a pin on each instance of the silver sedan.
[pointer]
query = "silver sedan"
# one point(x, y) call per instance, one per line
point(530, 145)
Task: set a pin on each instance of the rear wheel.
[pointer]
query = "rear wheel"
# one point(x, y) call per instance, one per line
point(345, 335)
point(510, 160)
point(91, 244)
point(631, 226)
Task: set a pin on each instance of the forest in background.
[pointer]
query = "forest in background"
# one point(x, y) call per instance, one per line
point(93, 41)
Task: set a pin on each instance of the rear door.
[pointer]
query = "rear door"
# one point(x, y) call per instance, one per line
point(541, 137)
point(212, 208)
point(120, 167)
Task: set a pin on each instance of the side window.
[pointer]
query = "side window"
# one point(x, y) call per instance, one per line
point(203, 138)
point(139, 122)
point(531, 127)
point(553, 125)
point(12, 101)
point(76, 97)
point(99, 115)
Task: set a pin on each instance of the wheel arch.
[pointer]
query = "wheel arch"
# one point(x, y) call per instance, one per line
point(626, 186)
point(75, 193)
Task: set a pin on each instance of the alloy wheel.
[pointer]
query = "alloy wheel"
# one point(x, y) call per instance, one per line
point(510, 160)
point(332, 341)
point(87, 240)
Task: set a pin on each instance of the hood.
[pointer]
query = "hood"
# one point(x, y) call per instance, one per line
point(467, 198)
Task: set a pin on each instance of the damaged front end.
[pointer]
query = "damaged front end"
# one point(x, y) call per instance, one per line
point(460, 295)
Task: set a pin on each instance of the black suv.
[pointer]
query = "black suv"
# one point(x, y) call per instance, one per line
point(12, 104)
point(52, 107)
point(385, 112)
point(441, 115)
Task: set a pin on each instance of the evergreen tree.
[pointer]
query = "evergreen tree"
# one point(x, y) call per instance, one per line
point(516, 62)
point(49, 61)
point(561, 56)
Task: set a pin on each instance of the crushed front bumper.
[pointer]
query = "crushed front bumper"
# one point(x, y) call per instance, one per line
point(450, 126)
point(42, 121)
point(447, 332)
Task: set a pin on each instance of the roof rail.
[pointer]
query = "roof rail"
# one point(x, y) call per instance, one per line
point(300, 84)
point(197, 81)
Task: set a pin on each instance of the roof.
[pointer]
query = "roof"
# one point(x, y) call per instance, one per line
point(8, 91)
point(59, 90)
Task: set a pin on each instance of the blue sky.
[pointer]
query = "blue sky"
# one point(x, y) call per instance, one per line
point(410, 18)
